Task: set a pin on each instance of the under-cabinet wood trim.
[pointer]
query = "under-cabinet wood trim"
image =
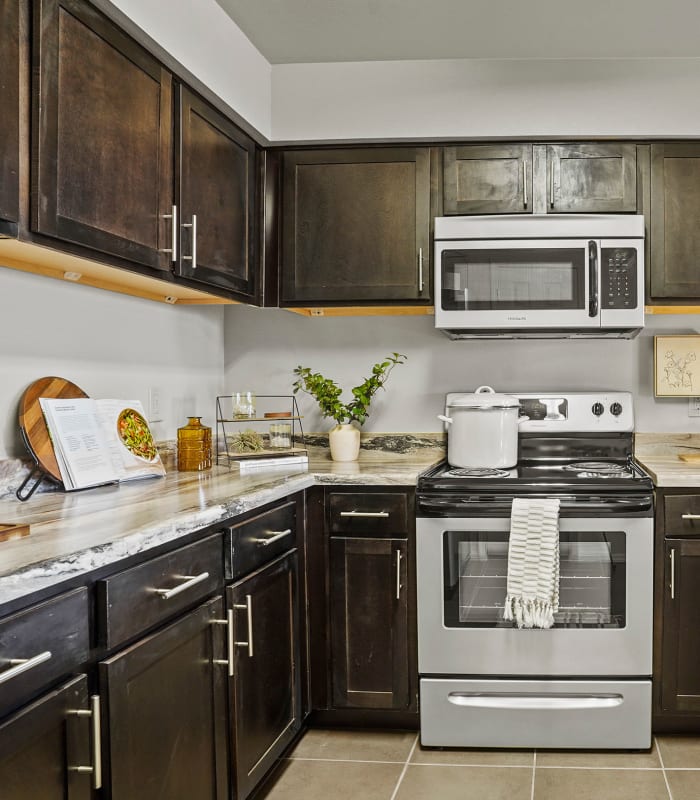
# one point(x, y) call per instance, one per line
point(368, 311)
point(672, 309)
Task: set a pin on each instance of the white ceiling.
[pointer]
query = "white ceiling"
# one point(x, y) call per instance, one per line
point(298, 31)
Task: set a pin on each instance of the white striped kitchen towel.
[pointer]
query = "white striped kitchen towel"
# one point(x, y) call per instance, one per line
point(532, 588)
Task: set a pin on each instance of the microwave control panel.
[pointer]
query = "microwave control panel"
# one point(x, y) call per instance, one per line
point(619, 277)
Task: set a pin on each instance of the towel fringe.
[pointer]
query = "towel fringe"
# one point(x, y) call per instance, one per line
point(528, 612)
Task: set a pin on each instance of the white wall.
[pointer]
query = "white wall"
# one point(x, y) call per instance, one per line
point(109, 345)
point(210, 45)
point(483, 98)
point(262, 347)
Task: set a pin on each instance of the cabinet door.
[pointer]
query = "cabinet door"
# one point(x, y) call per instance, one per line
point(680, 690)
point(41, 745)
point(369, 645)
point(103, 150)
point(487, 179)
point(10, 26)
point(165, 695)
point(596, 178)
point(217, 191)
point(266, 688)
point(356, 226)
point(675, 221)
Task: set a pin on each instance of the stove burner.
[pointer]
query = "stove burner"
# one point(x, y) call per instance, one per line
point(595, 469)
point(477, 472)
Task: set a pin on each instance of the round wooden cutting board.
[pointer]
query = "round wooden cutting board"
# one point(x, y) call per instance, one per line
point(31, 419)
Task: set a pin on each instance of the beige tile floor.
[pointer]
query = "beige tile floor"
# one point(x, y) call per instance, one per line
point(391, 765)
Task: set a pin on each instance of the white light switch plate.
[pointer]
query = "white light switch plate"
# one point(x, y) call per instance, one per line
point(154, 404)
point(694, 406)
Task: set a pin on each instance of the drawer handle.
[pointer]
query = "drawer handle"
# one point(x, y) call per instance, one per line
point(690, 516)
point(273, 536)
point(364, 514)
point(23, 665)
point(229, 641)
point(672, 585)
point(534, 702)
point(96, 717)
point(190, 581)
point(248, 606)
point(398, 574)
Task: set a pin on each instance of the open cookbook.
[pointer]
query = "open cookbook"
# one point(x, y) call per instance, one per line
point(100, 441)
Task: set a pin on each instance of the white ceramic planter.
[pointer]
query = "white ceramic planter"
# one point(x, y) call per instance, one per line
point(344, 441)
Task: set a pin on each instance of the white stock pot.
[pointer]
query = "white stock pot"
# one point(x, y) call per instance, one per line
point(482, 429)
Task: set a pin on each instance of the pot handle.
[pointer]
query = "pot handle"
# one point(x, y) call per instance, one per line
point(485, 390)
point(445, 419)
point(522, 419)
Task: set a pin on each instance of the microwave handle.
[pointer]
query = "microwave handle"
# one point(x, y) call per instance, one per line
point(593, 279)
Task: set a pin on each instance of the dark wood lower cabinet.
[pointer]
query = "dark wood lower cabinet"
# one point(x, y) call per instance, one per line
point(266, 687)
point(369, 623)
point(165, 712)
point(41, 745)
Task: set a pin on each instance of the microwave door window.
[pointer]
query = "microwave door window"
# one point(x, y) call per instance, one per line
point(513, 279)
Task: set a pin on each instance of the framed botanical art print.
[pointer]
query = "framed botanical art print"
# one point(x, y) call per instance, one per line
point(677, 366)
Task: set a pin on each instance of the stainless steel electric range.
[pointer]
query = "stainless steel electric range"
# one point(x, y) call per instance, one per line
point(586, 682)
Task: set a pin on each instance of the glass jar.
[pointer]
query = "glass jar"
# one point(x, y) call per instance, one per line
point(194, 446)
point(243, 405)
point(280, 435)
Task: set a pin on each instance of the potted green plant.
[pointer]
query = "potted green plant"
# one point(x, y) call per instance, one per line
point(344, 438)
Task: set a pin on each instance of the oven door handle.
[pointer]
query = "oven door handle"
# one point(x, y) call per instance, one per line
point(520, 701)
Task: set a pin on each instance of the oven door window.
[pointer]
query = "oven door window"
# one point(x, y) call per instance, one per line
point(514, 279)
point(592, 579)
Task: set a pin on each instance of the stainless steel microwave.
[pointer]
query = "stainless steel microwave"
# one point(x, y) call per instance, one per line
point(539, 276)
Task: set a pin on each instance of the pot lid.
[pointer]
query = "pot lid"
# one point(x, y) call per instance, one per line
point(483, 397)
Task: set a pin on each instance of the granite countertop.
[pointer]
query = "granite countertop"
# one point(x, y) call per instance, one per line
point(659, 454)
point(74, 533)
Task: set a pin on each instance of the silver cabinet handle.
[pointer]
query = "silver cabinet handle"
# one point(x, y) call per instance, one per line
point(673, 573)
point(96, 717)
point(23, 665)
point(228, 661)
point(420, 269)
point(249, 608)
point(173, 247)
point(524, 184)
point(190, 581)
point(193, 225)
point(398, 574)
point(364, 514)
point(534, 702)
point(551, 186)
point(690, 516)
point(273, 536)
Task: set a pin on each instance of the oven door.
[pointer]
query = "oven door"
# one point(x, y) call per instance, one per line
point(604, 623)
point(517, 284)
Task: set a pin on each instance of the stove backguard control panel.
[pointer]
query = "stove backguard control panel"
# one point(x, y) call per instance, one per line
point(581, 412)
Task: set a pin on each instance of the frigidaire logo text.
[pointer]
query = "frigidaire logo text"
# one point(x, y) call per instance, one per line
point(517, 319)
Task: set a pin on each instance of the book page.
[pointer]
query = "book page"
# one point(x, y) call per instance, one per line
point(125, 428)
point(81, 450)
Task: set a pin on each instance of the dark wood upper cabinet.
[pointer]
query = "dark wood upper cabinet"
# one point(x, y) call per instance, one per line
point(103, 136)
point(591, 178)
point(165, 701)
point(540, 179)
point(369, 623)
point(356, 226)
point(217, 199)
point(487, 179)
point(680, 692)
point(10, 25)
point(266, 686)
point(674, 225)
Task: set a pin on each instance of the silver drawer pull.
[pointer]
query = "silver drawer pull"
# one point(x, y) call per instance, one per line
point(364, 513)
point(398, 574)
point(23, 665)
point(229, 641)
point(690, 516)
point(94, 713)
point(189, 582)
point(273, 536)
point(672, 585)
point(534, 702)
point(248, 606)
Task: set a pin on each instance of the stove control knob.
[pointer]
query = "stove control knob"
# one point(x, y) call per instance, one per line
point(616, 409)
point(598, 409)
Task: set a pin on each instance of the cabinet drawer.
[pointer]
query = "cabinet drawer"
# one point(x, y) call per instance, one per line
point(143, 596)
point(51, 639)
point(682, 515)
point(260, 539)
point(370, 514)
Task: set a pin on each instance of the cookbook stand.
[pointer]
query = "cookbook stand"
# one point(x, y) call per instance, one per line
point(35, 434)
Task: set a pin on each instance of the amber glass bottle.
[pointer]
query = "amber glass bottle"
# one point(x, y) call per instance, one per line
point(194, 446)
